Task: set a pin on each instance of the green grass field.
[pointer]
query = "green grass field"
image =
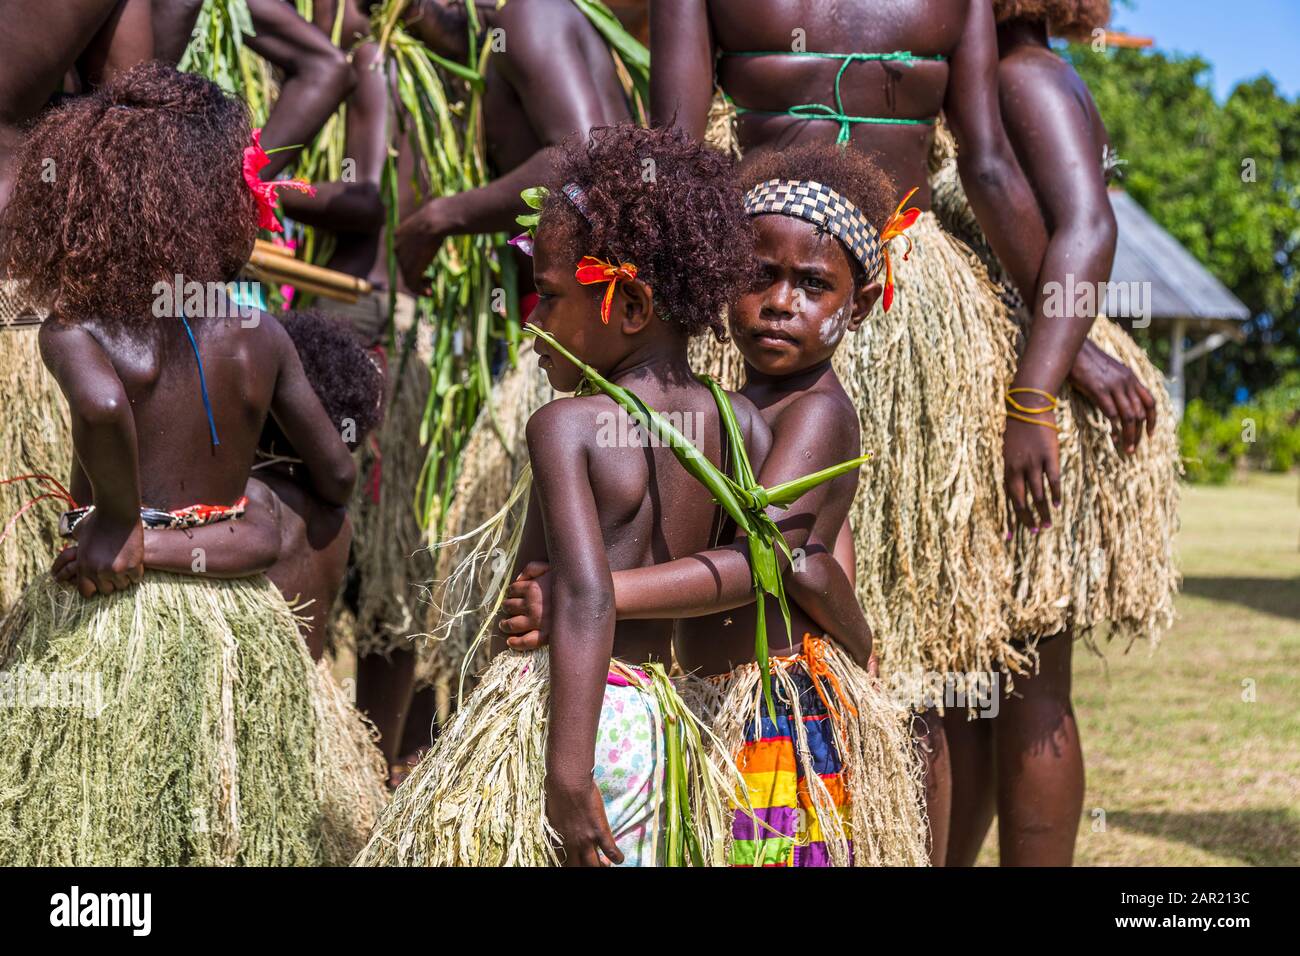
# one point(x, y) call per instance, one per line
point(1193, 752)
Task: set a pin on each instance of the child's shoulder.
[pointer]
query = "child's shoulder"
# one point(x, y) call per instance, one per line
point(824, 411)
point(63, 340)
point(750, 420)
point(569, 420)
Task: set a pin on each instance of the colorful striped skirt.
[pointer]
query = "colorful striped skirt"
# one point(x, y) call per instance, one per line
point(785, 829)
point(833, 780)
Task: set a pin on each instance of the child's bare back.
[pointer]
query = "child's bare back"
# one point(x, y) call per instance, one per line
point(647, 507)
point(250, 368)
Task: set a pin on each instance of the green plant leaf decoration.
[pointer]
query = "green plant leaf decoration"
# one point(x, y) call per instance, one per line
point(743, 498)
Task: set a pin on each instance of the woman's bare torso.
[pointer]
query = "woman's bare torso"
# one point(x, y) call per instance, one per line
point(889, 90)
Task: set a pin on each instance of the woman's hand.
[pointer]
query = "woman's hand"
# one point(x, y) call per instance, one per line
point(1031, 470)
point(525, 612)
point(1112, 387)
point(106, 558)
point(577, 813)
point(419, 237)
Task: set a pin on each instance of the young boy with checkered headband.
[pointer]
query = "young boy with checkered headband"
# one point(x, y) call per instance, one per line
point(823, 216)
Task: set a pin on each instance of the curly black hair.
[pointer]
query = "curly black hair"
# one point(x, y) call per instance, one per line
point(851, 173)
point(344, 376)
point(125, 187)
point(1065, 18)
point(667, 204)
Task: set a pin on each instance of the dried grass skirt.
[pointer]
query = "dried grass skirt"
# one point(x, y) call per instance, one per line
point(495, 457)
point(35, 438)
point(1108, 558)
point(477, 798)
point(181, 722)
point(389, 547)
point(872, 813)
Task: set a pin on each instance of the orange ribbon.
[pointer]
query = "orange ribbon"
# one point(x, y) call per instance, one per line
point(814, 651)
point(895, 226)
point(813, 657)
point(592, 271)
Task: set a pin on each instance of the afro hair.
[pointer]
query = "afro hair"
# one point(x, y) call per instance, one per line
point(341, 372)
point(125, 187)
point(667, 204)
point(1064, 18)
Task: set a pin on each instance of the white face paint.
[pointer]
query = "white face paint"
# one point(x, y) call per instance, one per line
point(832, 328)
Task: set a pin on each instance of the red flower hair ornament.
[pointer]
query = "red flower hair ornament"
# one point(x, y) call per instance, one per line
point(255, 159)
point(897, 224)
point(593, 271)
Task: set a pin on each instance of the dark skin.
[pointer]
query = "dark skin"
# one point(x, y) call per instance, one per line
point(287, 532)
point(1027, 764)
point(43, 42)
point(595, 510)
point(354, 210)
point(787, 327)
point(133, 396)
point(554, 79)
point(1058, 136)
point(687, 34)
point(317, 76)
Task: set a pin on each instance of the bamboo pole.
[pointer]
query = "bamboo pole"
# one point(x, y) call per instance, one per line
point(296, 272)
point(303, 285)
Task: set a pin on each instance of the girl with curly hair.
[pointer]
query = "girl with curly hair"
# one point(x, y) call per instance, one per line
point(1105, 557)
point(560, 754)
point(202, 742)
point(42, 48)
point(851, 794)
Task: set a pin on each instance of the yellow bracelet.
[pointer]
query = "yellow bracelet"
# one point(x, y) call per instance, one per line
point(1052, 399)
point(1034, 421)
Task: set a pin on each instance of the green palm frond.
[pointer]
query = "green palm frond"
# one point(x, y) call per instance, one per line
point(744, 500)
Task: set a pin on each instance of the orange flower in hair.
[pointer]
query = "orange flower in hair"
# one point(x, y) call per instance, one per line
point(896, 226)
point(593, 271)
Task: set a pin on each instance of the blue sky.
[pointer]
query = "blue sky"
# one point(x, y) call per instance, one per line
point(1241, 38)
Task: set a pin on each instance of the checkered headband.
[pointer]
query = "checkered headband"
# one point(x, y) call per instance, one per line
point(824, 207)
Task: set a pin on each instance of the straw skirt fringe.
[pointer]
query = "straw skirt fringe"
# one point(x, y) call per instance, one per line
point(1108, 558)
point(35, 438)
point(351, 770)
point(388, 545)
point(887, 823)
point(195, 731)
point(495, 456)
point(476, 799)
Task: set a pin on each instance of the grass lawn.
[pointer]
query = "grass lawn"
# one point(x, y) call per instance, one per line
point(1193, 752)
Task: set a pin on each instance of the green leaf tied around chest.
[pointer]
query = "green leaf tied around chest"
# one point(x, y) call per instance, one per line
point(741, 496)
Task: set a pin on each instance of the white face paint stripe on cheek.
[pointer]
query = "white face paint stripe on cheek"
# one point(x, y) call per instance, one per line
point(832, 328)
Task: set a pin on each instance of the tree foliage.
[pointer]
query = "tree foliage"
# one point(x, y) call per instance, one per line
point(1223, 179)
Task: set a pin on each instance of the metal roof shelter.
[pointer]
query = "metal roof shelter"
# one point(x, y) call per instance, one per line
point(1176, 293)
